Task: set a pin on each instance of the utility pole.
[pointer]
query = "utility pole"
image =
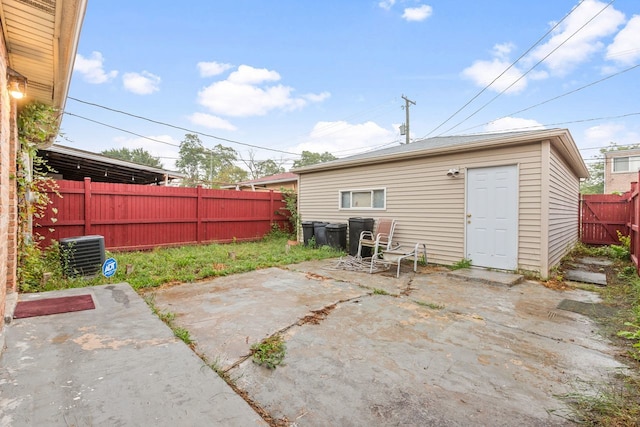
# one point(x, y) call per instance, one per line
point(407, 102)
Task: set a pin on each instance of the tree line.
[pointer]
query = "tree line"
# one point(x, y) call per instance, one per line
point(217, 166)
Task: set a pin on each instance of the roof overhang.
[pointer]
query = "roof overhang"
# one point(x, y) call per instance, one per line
point(75, 165)
point(560, 138)
point(42, 37)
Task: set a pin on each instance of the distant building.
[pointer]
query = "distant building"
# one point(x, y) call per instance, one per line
point(620, 170)
point(287, 180)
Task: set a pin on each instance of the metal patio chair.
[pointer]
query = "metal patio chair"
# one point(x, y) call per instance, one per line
point(380, 239)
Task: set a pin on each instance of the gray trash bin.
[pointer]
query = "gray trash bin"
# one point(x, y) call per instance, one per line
point(337, 236)
point(356, 226)
point(307, 231)
point(320, 232)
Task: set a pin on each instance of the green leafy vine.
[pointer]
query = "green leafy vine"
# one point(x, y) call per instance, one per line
point(37, 126)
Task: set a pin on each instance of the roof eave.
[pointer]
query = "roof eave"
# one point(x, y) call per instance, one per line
point(562, 136)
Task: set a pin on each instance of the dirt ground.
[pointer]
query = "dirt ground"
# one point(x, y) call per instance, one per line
point(424, 349)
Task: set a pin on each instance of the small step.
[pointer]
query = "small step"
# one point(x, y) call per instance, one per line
point(584, 276)
point(487, 276)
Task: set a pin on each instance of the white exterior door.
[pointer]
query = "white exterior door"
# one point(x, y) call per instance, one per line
point(492, 217)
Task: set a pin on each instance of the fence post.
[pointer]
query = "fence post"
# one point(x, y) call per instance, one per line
point(271, 212)
point(199, 213)
point(87, 206)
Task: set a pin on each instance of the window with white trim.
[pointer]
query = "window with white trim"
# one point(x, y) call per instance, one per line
point(626, 164)
point(375, 198)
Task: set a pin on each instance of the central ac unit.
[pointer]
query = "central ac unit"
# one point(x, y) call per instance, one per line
point(82, 256)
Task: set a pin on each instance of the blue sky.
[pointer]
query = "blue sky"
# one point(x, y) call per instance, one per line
point(279, 77)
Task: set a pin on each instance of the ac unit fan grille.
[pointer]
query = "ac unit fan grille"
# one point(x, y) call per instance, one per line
point(82, 256)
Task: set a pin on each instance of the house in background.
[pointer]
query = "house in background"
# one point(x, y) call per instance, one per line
point(620, 170)
point(506, 201)
point(38, 43)
point(287, 180)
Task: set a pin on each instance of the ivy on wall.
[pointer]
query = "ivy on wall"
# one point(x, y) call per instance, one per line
point(37, 125)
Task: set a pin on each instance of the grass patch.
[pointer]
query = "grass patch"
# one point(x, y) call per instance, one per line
point(184, 335)
point(463, 263)
point(431, 305)
point(161, 266)
point(616, 402)
point(168, 317)
point(269, 352)
point(613, 405)
point(377, 291)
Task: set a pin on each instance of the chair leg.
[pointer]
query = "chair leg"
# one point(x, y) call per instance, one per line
point(373, 258)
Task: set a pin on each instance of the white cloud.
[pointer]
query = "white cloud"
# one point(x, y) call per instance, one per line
point(482, 73)
point(625, 49)
point(604, 134)
point(168, 154)
point(143, 83)
point(253, 76)
point(210, 121)
point(387, 4)
point(92, 68)
point(209, 69)
point(579, 47)
point(342, 138)
point(316, 97)
point(509, 124)
point(246, 93)
point(419, 13)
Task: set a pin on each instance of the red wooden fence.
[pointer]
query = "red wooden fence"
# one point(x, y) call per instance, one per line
point(634, 223)
point(134, 217)
point(602, 216)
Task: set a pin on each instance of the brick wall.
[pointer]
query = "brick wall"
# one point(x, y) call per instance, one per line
point(618, 182)
point(8, 207)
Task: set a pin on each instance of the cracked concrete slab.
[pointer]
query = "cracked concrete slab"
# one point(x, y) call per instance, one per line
point(437, 350)
point(115, 365)
point(227, 315)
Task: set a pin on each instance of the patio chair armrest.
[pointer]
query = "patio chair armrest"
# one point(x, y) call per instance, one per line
point(366, 234)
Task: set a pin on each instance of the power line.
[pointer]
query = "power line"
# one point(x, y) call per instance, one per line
point(555, 98)
point(531, 69)
point(178, 127)
point(505, 70)
point(120, 129)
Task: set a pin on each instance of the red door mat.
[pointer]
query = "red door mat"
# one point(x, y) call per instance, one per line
point(44, 307)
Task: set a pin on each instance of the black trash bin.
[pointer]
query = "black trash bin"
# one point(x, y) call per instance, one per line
point(356, 226)
point(320, 232)
point(307, 231)
point(337, 236)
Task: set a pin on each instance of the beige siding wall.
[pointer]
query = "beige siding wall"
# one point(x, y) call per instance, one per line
point(564, 200)
point(429, 205)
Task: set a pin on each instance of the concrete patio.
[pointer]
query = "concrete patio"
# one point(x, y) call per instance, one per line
point(432, 348)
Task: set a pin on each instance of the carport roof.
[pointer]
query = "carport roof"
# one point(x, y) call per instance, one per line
point(561, 138)
point(75, 165)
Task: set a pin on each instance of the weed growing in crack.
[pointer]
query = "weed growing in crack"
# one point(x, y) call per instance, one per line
point(377, 291)
point(183, 334)
point(431, 305)
point(168, 317)
point(270, 352)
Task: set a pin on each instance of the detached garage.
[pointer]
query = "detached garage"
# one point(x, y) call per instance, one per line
point(507, 201)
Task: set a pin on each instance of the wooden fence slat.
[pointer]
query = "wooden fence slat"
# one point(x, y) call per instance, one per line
point(602, 216)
